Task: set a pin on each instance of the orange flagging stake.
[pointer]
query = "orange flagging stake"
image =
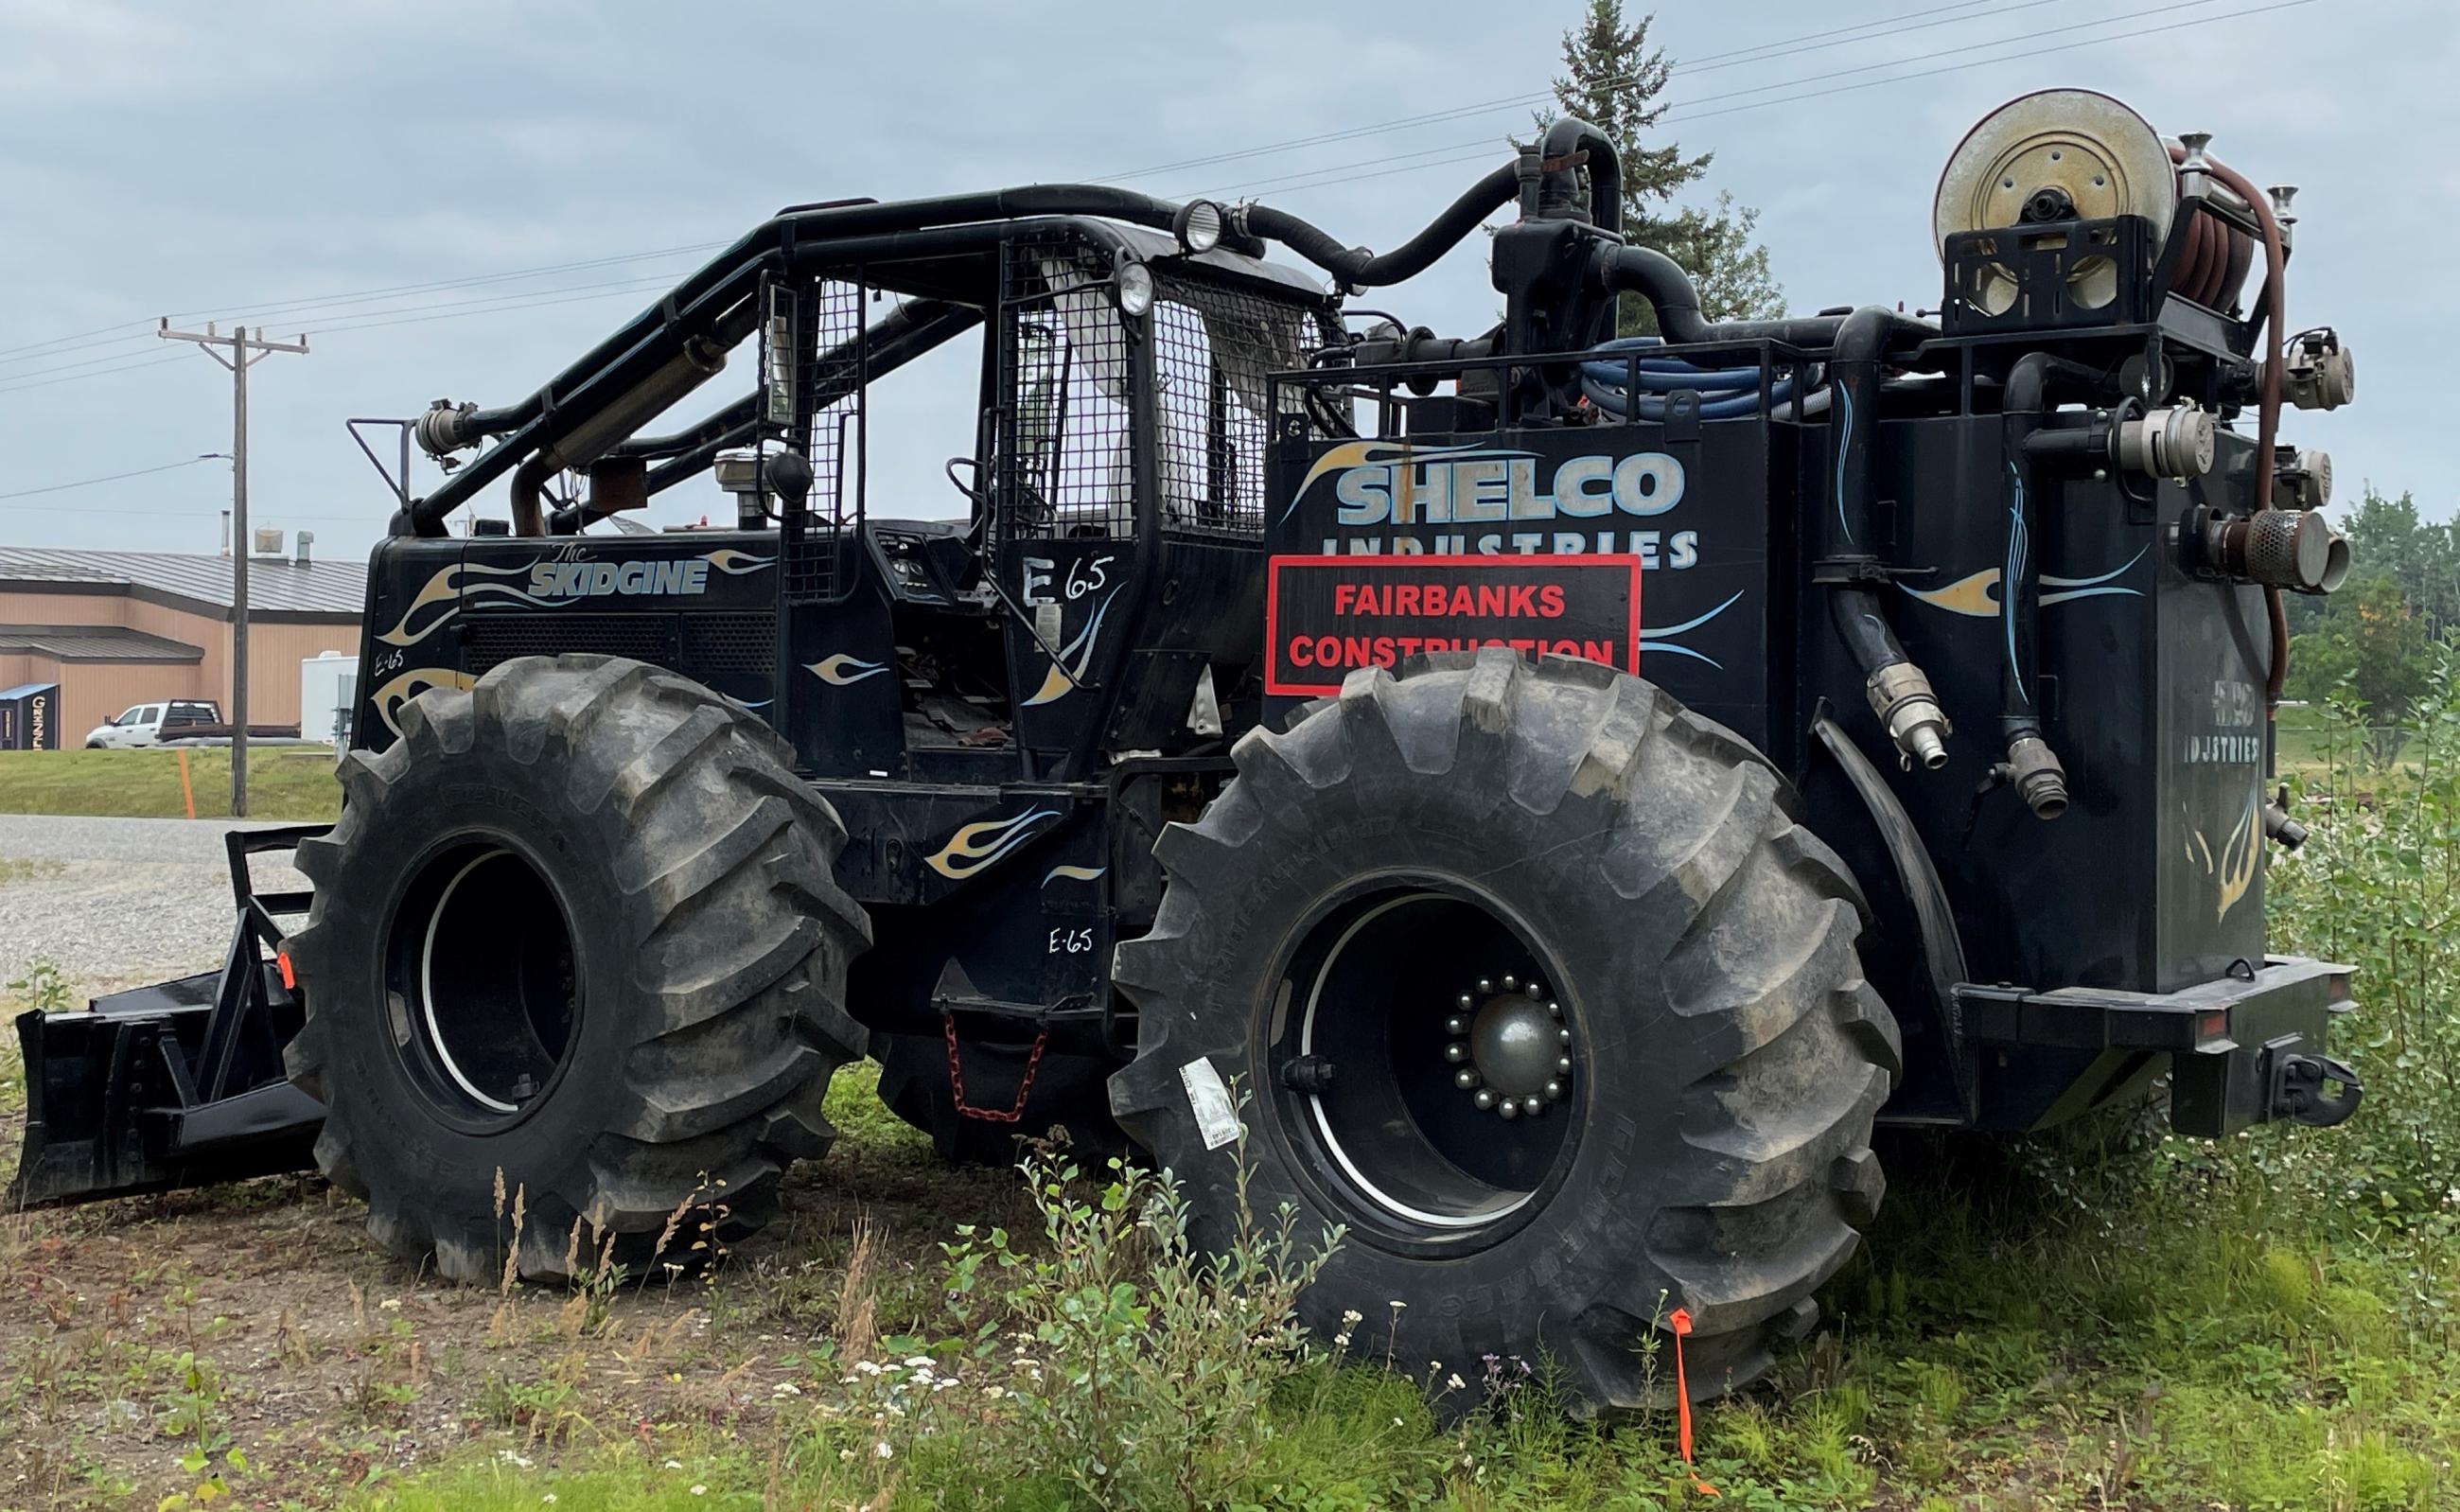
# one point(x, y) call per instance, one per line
point(188, 794)
point(289, 980)
point(1680, 1320)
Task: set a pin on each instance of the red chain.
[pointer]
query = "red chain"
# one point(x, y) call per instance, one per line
point(957, 1078)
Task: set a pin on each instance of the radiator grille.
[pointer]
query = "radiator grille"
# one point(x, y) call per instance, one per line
point(717, 644)
point(488, 640)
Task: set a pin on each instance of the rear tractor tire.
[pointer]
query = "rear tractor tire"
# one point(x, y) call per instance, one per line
point(575, 939)
point(1530, 979)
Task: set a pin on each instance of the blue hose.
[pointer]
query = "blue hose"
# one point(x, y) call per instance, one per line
point(1606, 383)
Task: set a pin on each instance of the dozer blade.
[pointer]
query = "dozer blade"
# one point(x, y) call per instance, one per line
point(179, 1084)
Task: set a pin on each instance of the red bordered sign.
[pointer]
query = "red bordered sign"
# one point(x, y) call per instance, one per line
point(1327, 616)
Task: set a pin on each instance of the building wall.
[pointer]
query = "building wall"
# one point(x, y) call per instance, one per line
point(93, 692)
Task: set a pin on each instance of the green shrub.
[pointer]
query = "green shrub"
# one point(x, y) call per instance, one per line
point(2378, 886)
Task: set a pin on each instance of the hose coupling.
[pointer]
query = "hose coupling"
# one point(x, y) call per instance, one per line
point(445, 428)
point(1901, 696)
point(2040, 780)
point(2175, 442)
point(2320, 374)
point(2280, 827)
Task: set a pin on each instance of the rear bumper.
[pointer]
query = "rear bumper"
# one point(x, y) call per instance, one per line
point(2243, 1049)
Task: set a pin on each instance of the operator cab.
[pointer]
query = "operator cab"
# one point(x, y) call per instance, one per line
point(1117, 462)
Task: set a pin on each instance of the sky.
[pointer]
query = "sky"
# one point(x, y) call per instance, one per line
point(282, 161)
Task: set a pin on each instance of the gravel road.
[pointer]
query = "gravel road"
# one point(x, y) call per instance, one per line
point(117, 902)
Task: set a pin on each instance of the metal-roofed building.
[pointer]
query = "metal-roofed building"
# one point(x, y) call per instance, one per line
point(120, 627)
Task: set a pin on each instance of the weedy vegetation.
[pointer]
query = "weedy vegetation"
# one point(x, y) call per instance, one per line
point(2104, 1317)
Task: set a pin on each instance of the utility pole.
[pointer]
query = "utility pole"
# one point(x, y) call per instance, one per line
point(245, 352)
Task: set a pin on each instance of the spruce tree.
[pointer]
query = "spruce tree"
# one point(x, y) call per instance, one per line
point(1613, 79)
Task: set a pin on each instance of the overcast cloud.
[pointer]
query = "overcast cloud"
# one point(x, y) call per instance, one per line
point(190, 160)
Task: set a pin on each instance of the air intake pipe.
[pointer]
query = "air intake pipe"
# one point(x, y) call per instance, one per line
point(1545, 181)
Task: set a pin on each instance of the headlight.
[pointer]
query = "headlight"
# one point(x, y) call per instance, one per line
point(1198, 226)
point(1132, 285)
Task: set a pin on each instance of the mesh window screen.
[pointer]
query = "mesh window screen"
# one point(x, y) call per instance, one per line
point(813, 329)
point(1214, 346)
point(1067, 450)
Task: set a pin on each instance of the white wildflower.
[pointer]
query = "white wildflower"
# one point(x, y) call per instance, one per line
point(883, 1450)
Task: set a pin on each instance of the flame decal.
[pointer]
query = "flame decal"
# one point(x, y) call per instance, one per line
point(1375, 454)
point(1658, 640)
point(2242, 855)
point(987, 842)
point(447, 588)
point(1075, 658)
point(389, 698)
point(1977, 596)
point(842, 670)
point(1073, 873)
point(734, 564)
point(2240, 859)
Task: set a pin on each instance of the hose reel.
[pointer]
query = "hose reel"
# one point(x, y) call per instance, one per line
point(2067, 154)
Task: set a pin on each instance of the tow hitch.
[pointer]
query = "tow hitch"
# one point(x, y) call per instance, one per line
point(2301, 1089)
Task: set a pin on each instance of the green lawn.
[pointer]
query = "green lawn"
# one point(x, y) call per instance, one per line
point(293, 782)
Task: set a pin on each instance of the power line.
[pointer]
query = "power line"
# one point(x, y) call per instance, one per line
point(107, 477)
point(1688, 110)
point(291, 308)
point(375, 517)
point(1680, 69)
point(321, 305)
point(98, 372)
point(525, 302)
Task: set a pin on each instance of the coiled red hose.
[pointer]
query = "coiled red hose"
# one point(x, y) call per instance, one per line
point(2275, 300)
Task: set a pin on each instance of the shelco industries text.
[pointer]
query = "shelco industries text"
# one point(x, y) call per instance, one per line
point(1512, 488)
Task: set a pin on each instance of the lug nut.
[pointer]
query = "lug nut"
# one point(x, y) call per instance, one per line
point(1457, 1052)
point(1484, 1099)
point(1533, 1105)
point(1554, 1091)
point(1457, 1025)
point(1536, 990)
point(1563, 1066)
point(1467, 1002)
point(1511, 984)
point(1554, 1011)
point(1466, 1080)
point(1485, 987)
point(1563, 1038)
point(1509, 1108)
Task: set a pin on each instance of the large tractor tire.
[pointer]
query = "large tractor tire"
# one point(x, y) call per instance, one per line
point(1070, 1092)
point(1529, 978)
point(576, 933)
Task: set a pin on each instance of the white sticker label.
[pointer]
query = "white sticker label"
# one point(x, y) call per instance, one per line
point(1217, 1117)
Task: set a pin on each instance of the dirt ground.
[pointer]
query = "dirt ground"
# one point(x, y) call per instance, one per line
point(255, 1335)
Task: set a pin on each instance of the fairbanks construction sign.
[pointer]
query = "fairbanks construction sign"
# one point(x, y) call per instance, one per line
point(1327, 616)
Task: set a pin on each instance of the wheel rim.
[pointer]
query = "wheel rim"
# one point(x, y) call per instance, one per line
point(1398, 1050)
point(486, 1000)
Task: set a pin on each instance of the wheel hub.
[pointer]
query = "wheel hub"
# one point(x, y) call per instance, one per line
point(1511, 1046)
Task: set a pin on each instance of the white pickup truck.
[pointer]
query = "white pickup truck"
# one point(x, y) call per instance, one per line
point(152, 724)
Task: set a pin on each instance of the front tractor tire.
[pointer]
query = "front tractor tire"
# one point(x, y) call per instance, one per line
point(1528, 977)
point(575, 938)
